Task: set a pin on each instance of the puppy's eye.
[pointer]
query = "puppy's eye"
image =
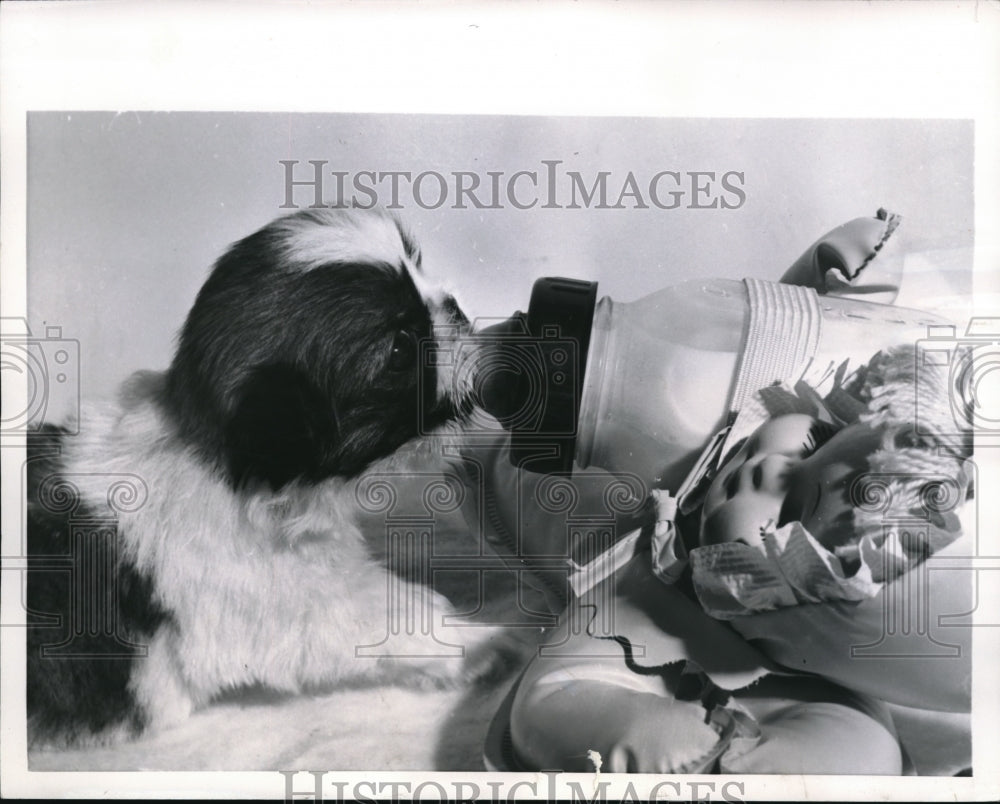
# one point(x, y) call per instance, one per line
point(404, 351)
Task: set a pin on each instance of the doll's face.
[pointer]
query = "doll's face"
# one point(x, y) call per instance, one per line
point(792, 468)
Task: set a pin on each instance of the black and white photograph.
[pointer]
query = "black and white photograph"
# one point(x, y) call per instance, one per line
point(415, 449)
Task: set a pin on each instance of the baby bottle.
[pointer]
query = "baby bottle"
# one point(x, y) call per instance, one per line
point(641, 386)
point(633, 386)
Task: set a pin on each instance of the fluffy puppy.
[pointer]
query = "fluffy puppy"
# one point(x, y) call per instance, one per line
point(216, 502)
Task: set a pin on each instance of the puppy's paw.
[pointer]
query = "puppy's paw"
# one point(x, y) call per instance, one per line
point(425, 672)
point(494, 659)
point(453, 652)
point(486, 662)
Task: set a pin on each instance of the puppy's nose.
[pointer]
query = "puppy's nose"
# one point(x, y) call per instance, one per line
point(454, 312)
point(498, 374)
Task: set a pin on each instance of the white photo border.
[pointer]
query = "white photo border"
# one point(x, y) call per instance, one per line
point(725, 59)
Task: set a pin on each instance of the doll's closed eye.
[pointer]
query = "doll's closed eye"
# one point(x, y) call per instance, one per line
point(819, 433)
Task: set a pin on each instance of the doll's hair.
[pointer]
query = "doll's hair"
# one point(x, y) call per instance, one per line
point(918, 478)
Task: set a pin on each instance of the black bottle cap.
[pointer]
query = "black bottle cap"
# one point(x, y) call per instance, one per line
point(559, 321)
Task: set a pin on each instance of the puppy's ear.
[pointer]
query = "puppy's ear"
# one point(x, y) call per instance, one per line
point(281, 428)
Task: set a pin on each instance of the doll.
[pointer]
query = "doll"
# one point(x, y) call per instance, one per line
point(734, 620)
point(670, 688)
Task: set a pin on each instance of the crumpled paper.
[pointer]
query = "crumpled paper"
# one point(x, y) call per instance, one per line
point(735, 579)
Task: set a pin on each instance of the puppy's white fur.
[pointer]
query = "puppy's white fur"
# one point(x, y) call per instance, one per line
point(271, 588)
point(349, 235)
point(260, 586)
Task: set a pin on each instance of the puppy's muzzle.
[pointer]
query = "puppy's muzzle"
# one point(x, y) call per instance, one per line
point(449, 356)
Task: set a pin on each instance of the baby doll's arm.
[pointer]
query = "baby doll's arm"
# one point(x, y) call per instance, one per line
point(524, 516)
point(580, 695)
point(851, 261)
point(571, 715)
point(897, 646)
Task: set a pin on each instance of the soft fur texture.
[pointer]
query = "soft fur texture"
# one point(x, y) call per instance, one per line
point(223, 487)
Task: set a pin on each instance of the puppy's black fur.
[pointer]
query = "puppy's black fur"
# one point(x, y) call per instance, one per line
point(286, 374)
point(77, 682)
point(298, 362)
